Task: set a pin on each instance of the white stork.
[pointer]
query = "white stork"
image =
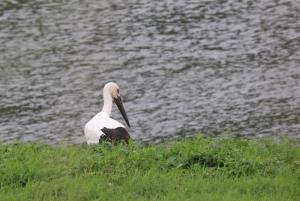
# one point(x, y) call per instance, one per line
point(101, 126)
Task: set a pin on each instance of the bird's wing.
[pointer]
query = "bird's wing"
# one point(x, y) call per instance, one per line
point(115, 134)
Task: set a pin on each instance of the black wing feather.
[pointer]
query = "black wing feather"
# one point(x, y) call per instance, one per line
point(114, 135)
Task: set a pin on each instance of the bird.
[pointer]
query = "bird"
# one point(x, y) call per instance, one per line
point(103, 128)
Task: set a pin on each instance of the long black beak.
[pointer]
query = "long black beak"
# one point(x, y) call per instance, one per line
point(119, 103)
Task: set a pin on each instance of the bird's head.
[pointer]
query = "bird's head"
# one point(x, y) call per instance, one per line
point(114, 91)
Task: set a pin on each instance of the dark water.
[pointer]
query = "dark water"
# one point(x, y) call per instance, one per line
point(183, 66)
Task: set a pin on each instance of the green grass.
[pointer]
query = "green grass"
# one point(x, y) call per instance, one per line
point(198, 168)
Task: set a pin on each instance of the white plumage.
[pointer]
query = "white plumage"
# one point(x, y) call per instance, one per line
point(101, 124)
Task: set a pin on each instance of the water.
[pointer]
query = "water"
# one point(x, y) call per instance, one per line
point(183, 66)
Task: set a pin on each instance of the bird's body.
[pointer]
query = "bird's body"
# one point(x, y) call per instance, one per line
point(101, 126)
point(93, 128)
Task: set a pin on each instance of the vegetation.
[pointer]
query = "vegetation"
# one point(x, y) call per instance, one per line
point(198, 168)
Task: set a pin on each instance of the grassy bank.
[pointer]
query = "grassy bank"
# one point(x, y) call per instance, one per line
point(192, 169)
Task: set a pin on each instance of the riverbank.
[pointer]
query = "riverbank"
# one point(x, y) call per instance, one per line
point(191, 169)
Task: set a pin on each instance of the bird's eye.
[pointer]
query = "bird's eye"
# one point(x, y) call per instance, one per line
point(118, 91)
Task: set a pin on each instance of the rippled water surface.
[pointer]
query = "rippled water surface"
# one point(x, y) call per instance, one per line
point(183, 66)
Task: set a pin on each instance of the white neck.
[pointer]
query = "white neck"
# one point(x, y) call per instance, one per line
point(107, 102)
